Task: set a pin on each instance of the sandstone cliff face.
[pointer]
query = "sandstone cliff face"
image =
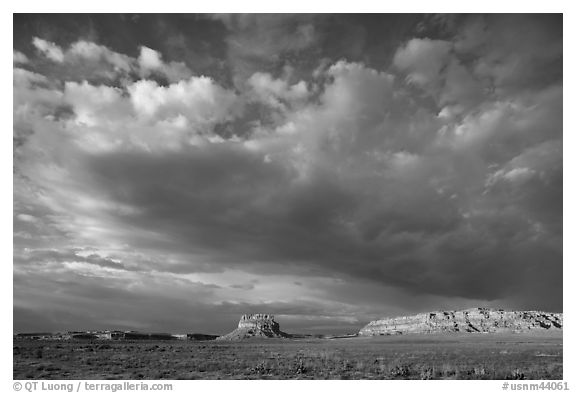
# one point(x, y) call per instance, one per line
point(255, 325)
point(476, 320)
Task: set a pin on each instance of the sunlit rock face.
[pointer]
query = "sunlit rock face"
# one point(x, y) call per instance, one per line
point(255, 325)
point(475, 320)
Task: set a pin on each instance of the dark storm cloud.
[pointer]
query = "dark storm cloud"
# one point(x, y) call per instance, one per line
point(420, 160)
point(240, 204)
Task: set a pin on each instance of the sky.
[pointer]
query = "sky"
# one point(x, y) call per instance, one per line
point(173, 172)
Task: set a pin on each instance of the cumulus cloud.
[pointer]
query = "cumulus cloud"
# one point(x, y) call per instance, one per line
point(423, 59)
point(20, 57)
point(49, 49)
point(197, 99)
point(150, 62)
point(436, 181)
point(85, 60)
point(84, 53)
point(97, 53)
point(307, 185)
point(277, 93)
point(95, 105)
point(88, 60)
point(141, 114)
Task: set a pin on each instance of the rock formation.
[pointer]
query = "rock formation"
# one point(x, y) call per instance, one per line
point(475, 320)
point(255, 325)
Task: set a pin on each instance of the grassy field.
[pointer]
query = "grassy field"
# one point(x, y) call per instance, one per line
point(387, 357)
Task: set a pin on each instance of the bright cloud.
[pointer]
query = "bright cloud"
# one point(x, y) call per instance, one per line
point(49, 49)
point(150, 62)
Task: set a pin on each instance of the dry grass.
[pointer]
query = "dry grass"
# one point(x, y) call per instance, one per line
point(415, 357)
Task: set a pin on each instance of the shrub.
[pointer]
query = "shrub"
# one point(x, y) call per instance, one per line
point(478, 370)
point(299, 367)
point(516, 374)
point(426, 373)
point(401, 371)
point(261, 368)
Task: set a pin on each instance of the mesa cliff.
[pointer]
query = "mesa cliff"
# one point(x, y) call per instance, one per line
point(255, 325)
point(475, 320)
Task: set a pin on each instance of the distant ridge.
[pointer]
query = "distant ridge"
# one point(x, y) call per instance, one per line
point(113, 335)
point(474, 320)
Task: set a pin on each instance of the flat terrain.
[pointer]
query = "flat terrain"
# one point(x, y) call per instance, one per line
point(472, 356)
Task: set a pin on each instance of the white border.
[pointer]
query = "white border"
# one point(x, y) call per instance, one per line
point(114, 6)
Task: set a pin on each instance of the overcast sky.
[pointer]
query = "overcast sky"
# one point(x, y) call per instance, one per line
point(174, 172)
